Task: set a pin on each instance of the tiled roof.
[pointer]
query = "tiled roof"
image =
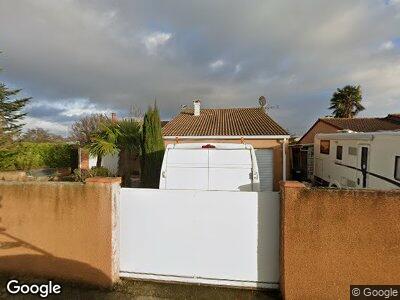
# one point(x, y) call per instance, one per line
point(223, 122)
point(362, 124)
point(393, 118)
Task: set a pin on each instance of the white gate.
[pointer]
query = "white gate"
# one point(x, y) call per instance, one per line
point(213, 237)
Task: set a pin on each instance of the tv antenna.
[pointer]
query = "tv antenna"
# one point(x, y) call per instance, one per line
point(264, 103)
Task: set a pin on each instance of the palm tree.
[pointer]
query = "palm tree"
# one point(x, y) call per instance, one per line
point(346, 102)
point(128, 142)
point(104, 142)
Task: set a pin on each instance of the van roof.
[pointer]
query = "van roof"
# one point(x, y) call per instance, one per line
point(220, 146)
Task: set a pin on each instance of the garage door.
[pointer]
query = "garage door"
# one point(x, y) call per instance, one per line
point(265, 168)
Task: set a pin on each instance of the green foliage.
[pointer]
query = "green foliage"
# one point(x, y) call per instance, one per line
point(10, 114)
point(105, 141)
point(152, 149)
point(128, 143)
point(346, 102)
point(26, 156)
point(82, 175)
point(100, 172)
point(113, 137)
point(129, 135)
point(7, 158)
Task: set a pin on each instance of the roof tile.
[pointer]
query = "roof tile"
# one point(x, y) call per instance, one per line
point(362, 124)
point(223, 122)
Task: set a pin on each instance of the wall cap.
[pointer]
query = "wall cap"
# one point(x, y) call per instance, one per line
point(291, 184)
point(103, 180)
point(13, 175)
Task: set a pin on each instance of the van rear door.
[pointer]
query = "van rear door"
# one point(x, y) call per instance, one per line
point(187, 169)
point(209, 167)
point(230, 170)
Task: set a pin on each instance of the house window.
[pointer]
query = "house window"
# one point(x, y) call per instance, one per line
point(352, 151)
point(324, 146)
point(339, 152)
point(397, 168)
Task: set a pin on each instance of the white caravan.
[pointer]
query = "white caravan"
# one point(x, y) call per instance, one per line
point(210, 167)
point(358, 160)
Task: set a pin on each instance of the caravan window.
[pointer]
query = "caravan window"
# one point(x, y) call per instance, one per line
point(397, 168)
point(324, 146)
point(339, 152)
point(352, 151)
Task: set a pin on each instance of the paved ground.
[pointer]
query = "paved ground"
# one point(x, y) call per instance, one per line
point(146, 290)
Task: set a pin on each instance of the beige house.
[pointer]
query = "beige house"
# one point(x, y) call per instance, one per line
point(235, 125)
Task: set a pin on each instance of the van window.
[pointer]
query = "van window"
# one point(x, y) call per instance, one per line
point(397, 168)
point(339, 152)
point(324, 146)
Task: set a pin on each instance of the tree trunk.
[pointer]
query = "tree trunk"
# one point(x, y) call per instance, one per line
point(98, 163)
point(126, 166)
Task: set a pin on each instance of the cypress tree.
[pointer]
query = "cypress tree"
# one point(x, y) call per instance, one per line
point(152, 148)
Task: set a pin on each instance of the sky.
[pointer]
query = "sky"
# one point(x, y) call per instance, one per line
point(81, 57)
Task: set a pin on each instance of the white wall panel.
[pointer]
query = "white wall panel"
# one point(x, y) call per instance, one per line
point(215, 237)
point(108, 161)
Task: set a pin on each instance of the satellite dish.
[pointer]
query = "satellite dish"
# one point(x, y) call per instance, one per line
point(262, 100)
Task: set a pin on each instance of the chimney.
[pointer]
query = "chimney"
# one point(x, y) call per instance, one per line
point(196, 108)
point(113, 117)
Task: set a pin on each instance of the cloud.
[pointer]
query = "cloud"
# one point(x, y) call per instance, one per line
point(54, 127)
point(215, 65)
point(86, 56)
point(389, 45)
point(394, 2)
point(82, 107)
point(58, 116)
point(238, 68)
point(155, 40)
point(66, 107)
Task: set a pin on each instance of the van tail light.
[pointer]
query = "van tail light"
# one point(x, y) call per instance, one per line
point(208, 146)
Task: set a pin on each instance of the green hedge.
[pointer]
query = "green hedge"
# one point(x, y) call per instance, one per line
point(26, 156)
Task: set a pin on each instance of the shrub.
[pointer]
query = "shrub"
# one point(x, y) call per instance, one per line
point(7, 158)
point(82, 175)
point(28, 155)
point(100, 172)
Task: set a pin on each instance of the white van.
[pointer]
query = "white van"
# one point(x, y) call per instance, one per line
point(210, 167)
point(358, 159)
